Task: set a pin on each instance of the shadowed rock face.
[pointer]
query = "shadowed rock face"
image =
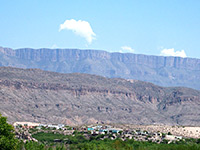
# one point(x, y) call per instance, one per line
point(41, 96)
point(163, 71)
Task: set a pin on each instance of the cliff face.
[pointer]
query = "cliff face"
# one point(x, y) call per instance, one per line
point(164, 71)
point(49, 97)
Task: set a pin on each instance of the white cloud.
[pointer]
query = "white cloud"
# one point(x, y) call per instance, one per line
point(172, 52)
point(54, 46)
point(126, 49)
point(81, 28)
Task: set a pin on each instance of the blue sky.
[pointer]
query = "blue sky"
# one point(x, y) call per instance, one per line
point(153, 27)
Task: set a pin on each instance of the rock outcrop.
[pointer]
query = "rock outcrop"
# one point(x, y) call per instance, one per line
point(163, 71)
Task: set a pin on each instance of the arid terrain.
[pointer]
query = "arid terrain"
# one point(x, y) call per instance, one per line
point(185, 131)
point(40, 96)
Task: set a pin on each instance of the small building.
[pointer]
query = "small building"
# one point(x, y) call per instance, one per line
point(42, 125)
point(59, 126)
point(173, 137)
point(90, 129)
point(26, 124)
point(114, 130)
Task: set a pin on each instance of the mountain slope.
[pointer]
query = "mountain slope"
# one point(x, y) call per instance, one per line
point(41, 96)
point(163, 71)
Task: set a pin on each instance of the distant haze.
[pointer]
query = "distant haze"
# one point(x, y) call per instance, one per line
point(164, 71)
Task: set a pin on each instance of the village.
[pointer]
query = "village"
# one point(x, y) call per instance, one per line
point(25, 130)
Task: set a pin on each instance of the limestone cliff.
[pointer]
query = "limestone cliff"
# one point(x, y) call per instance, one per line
point(163, 71)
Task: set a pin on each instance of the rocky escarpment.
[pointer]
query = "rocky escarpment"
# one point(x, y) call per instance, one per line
point(48, 97)
point(163, 71)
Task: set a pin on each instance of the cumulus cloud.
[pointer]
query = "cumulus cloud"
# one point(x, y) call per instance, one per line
point(54, 46)
point(126, 49)
point(172, 52)
point(81, 28)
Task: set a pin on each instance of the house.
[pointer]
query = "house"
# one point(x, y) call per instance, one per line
point(114, 130)
point(42, 125)
point(173, 137)
point(26, 124)
point(59, 126)
point(90, 129)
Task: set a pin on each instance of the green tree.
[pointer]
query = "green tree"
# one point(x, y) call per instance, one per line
point(7, 136)
point(33, 146)
point(169, 133)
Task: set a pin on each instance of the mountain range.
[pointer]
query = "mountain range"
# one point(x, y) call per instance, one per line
point(162, 71)
point(76, 98)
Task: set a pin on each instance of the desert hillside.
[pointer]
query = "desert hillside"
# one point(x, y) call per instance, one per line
point(42, 96)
